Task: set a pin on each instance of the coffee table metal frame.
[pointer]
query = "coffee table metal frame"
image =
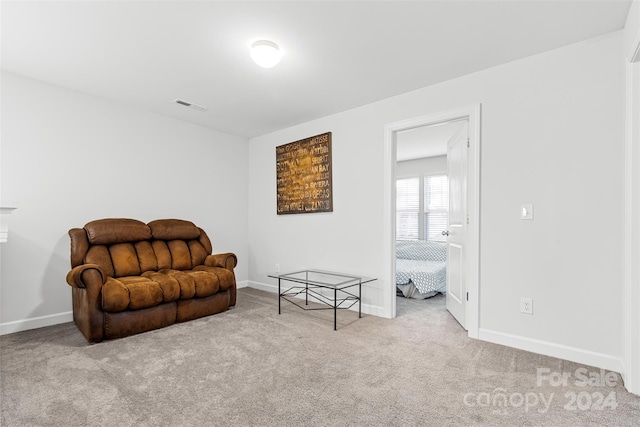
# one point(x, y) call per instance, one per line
point(314, 280)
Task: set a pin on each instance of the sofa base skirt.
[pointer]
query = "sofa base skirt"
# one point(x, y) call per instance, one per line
point(125, 323)
point(194, 308)
point(118, 325)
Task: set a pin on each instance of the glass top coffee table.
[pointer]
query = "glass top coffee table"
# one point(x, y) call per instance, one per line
point(311, 283)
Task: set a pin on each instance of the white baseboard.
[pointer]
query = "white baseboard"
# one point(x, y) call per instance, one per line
point(35, 322)
point(263, 286)
point(373, 310)
point(54, 319)
point(586, 357)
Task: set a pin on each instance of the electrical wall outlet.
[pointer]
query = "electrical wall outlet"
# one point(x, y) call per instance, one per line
point(526, 305)
point(277, 268)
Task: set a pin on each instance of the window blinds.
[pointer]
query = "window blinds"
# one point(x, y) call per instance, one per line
point(422, 204)
point(408, 208)
point(436, 206)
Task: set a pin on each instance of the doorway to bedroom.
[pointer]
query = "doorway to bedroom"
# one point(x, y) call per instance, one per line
point(434, 230)
point(423, 253)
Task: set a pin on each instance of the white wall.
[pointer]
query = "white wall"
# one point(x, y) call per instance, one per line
point(427, 165)
point(632, 27)
point(552, 135)
point(632, 202)
point(69, 158)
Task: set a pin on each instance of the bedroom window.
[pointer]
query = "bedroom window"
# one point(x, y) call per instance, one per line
point(436, 206)
point(422, 204)
point(408, 208)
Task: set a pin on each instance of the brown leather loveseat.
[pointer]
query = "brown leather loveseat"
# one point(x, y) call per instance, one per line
point(129, 277)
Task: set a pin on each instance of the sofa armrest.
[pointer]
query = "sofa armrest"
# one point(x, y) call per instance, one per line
point(86, 281)
point(75, 279)
point(226, 260)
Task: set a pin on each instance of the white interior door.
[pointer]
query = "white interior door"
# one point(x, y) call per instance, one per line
point(457, 162)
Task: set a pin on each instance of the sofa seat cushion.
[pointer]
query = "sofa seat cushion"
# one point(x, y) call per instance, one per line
point(195, 283)
point(130, 293)
point(166, 285)
point(225, 277)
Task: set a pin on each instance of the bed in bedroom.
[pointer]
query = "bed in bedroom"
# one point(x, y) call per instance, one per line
point(421, 268)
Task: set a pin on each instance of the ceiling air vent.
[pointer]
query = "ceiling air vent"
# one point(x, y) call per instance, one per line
point(190, 105)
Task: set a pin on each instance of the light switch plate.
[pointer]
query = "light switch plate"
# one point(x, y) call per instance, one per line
point(526, 211)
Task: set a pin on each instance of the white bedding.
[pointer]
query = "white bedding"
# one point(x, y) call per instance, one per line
point(421, 268)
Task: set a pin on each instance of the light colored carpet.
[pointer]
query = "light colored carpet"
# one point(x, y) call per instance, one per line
point(252, 367)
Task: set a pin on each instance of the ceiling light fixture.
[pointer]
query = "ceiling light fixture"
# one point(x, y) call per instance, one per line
point(265, 53)
point(190, 105)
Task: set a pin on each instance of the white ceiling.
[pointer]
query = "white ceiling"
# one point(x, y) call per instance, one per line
point(425, 141)
point(337, 55)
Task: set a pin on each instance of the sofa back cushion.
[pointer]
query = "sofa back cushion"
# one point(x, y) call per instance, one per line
point(116, 230)
point(173, 229)
point(126, 247)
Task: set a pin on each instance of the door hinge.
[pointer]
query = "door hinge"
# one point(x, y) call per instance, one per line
point(467, 296)
point(467, 219)
point(468, 142)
